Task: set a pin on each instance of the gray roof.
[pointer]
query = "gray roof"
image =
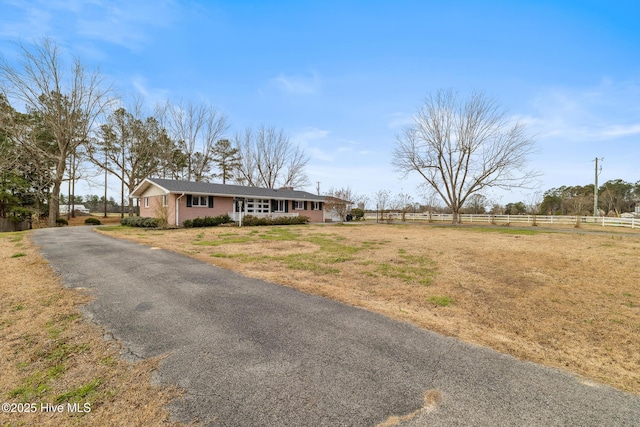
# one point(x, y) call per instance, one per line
point(207, 188)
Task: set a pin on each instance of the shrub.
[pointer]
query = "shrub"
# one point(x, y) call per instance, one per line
point(207, 221)
point(357, 213)
point(250, 220)
point(139, 221)
point(92, 221)
point(61, 221)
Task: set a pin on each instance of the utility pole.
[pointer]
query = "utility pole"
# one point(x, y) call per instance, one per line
point(318, 187)
point(595, 189)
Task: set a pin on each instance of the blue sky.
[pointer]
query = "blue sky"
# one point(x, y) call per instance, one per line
point(343, 77)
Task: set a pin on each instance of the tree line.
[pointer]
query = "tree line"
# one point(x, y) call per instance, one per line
point(615, 197)
point(60, 122)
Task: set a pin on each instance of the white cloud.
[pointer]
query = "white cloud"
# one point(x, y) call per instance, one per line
point(118, 22)
point(310, 134)
point(399, 120)
point(308, 137)
point(297, 85)
point(602, 113)
point(152, 96)
point(619, 130)
point(34, 23)
point(319, 154)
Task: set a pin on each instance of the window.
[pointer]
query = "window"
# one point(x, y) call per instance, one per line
point(280, 205)
point(199, 201)
point(315, 206)
point(298, 205)
point(146, 202)
point(165, 201)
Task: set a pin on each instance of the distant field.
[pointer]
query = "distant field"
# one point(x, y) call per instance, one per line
point(565, 300)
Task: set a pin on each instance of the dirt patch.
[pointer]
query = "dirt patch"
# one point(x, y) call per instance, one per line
point(570, 301)
point(57, 363)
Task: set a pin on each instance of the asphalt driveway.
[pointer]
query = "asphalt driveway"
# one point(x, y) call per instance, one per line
point(253, 353)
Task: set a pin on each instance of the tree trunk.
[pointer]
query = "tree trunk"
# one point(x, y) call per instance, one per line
point(54, 198)
point(455, 217)
point(54, 204)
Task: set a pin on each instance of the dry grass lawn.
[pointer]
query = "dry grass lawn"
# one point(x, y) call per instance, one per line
point(50, 355)
point(570, 301)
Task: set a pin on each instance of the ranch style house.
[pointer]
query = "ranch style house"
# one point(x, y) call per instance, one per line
point(188, 200)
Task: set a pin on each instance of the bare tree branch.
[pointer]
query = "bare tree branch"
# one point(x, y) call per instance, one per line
point(269, 159)
point(196, 127)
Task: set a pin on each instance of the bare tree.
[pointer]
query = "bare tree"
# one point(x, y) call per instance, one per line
point(463, 147)
point(339, 201)
point(382, 198)
point(534, 200)
point(68, 101)
point(403, 203)
point(430, 200)
point(196, 128)
point(269, 159)
point(247, 171)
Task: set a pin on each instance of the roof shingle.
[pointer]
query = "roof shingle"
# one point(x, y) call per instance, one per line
point(178, 186)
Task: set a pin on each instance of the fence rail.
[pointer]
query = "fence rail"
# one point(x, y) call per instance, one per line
point(513, 219)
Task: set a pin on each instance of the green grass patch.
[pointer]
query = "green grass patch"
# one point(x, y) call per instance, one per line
point(33, 386)
point(502, 230)
point(79, 393)
point(46, 302)
point(441, 301)
point(224, 234)
point(332, 246)
point(50, 358)
point(16, 237)
point(56, 326)
point(418, 269)
point(18, 255)
point(225, 241)
point(231, 256)
point(280, 233)
point(296, 262)
point(115, 228)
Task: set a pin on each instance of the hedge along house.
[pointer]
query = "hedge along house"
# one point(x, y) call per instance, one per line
point(181, 200)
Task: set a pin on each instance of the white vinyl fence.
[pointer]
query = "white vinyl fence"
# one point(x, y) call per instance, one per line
point(512, 219)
